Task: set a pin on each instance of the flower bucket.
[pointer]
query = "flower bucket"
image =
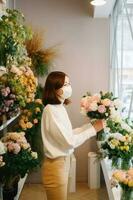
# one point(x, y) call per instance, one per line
point(127, 194)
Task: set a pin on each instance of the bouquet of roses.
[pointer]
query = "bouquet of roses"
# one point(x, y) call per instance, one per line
point(100, 106)
point(125, 180)
point(119, 148)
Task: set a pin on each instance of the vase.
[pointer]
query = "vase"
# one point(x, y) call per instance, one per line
point(127, 194)
point(120, 163)
point(10, 193)
point(101, 135)
point(126, 164)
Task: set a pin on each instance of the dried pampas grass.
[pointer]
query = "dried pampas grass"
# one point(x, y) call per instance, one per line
point(41, 57)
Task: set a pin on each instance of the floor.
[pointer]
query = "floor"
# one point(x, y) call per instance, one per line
point(36, 192)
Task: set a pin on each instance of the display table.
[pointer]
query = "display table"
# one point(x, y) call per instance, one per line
point(20, 186)
point(113, 193)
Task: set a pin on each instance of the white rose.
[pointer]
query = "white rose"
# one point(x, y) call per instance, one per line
point(115, 115)
point(15, 70)
point(34, 155)
point(118, 103)
point(112, 146)
point(3, 70)
point(119, 137)
point(83, 111)
point(93, 106)
point(126, 127)
point(2, 148)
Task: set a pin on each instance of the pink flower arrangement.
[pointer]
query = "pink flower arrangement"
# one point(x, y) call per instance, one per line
point(14, 142)
point(98, 106)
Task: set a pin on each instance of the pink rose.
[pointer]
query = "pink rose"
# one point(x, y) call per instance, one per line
point(14, 147)
point(101, 109)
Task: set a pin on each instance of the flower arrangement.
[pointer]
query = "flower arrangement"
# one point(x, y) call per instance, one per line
point(9, 105)
point(118, 147)
point(13, 35)
point(30, 122)
point(99, 106)
point(18, 158)
point(16, 75)
point(24, 83)
point(125, 180)
point(120, 125)
point(31, 115)
point(21, 82)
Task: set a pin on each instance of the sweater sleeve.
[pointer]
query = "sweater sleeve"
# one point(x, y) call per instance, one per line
point(62, 134)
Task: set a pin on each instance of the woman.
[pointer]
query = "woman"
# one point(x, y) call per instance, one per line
point(59, 139)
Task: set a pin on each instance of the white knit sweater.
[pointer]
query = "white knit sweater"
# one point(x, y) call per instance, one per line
point(59, 139)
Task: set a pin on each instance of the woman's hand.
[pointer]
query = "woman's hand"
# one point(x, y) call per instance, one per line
point(99, 125)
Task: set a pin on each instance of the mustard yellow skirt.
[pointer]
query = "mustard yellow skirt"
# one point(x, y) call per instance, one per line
point(55, 176)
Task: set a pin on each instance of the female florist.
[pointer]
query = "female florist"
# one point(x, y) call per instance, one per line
point(20, 100)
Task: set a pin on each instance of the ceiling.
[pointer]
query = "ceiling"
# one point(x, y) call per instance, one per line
point(105, 10)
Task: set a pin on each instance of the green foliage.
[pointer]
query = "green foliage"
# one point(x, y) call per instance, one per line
point(13, 34)
point(39, 92)
point(17, 165)
point(40, 66)
point(108, 95)
point(97, 115)
point(17, 88)
point(115, 127)
point(33, 134)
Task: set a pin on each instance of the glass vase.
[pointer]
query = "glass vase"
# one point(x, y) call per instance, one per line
point(101, 135)
point(125, 164)
point(120, 163)
point(127, 194)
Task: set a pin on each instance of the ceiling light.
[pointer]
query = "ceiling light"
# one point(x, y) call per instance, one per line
point(98, 2)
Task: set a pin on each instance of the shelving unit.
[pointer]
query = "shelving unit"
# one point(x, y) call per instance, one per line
point(22, 180)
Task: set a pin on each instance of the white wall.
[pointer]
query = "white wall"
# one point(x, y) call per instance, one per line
point(83, 53)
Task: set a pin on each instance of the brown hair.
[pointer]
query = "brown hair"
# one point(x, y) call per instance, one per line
point(54, 82)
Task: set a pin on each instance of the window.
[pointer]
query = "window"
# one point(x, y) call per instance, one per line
point(122, 53)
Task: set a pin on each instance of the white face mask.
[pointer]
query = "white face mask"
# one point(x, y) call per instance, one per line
point(67, 92)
